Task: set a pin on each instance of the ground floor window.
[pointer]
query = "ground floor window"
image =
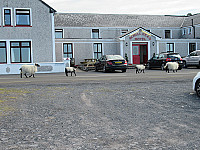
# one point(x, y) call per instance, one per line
point(68, 50)
point(20, 52)
point(170, 47)
point(192, 47)
point(3, 53)
point(97, 50)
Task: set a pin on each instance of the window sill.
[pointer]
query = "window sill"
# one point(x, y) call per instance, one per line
point(7, 26)
point(23, 26)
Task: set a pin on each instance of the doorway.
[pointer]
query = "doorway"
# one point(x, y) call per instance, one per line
point(140, 53)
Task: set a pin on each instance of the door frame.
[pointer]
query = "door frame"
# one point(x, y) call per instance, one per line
point(131, 50)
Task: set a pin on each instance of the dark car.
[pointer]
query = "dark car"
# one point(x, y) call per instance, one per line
point(111, 63)
point(159, 60)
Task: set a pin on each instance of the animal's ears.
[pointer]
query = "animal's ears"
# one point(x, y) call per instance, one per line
point(37, 65)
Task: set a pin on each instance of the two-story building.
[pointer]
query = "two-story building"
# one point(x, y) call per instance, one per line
point(84, 36)
point(27, 36)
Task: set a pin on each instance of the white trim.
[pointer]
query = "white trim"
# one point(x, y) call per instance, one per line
point(87, 42)
point(190, 33)
point(170, 43)
point(11, 16)
point(131, 51)
point(53, 38)
point(119, 28)
point(170, 33)
point(121, 48)
point(158, 48)
point(22, 9)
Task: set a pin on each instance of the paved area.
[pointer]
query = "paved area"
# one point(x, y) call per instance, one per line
point(96, 110)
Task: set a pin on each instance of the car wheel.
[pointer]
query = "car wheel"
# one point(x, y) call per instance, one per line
point(162, 66)
point(104, 69)
point(184, 64)
point(148, 66)
point(198, 88)
point(124, 70)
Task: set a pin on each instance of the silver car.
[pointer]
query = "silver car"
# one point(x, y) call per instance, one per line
point(193, 59)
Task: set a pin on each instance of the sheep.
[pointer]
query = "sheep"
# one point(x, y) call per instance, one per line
point(171, 66)
point(139, 68)
point(70, 70)
point(28, 69)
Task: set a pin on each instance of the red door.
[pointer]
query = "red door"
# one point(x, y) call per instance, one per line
point(140, 53)
point(136, 53)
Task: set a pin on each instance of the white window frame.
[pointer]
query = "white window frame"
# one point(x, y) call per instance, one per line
point(170, 33)
point(92, 33)
point(11, 13)
point(190, 30)
point(15, 18)
point(59, 30)
point(173, 47)
point(183, 31)
point(122, 30)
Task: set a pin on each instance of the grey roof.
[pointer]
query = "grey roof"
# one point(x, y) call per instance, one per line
point(116, 20)
point(51, 9)
point(188, 20)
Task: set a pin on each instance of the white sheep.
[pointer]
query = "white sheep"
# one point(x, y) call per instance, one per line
point(139, 68)
point(70, 70)
point(28, 69)
point(171, 66)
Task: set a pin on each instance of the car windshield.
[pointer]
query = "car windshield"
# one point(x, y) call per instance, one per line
point(174, 56)
point(114, 57)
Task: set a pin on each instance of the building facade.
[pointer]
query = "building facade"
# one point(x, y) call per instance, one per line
point(86, 36)
point(26, 35)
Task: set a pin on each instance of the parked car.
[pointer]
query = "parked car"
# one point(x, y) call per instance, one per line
point(159, 60)
point(193, 59)
point(196, 84)
point(111, 62)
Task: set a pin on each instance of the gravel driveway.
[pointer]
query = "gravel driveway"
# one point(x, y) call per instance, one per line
point(104, 114)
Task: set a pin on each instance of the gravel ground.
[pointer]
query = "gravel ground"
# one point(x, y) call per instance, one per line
point(102, 115)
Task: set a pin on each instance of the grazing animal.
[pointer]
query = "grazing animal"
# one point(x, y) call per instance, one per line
point(28, 70)
point(171, 66)
point(139, 68)
point(70, 70)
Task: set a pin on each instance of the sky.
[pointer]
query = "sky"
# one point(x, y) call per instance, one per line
point(147, 7)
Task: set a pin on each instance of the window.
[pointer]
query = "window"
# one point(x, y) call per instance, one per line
point(97, 50)
point(190, 30)
point(68, 50)
point(58, 33)
point(183, 31)
point(3, 54)
point(170, 47)
point(20, 52)
point(192, 47)
point(124, 31)
point(95, 33)
point(167, 34)
point(7, 17)
point(23, 17)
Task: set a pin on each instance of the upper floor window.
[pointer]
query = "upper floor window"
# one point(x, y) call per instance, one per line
point(20, 52)
point(170, 47)
point(95, 33)
point(190, 30)
point(183, 31)
point(7, 17)
point(23, 17)
point(124, 31)
point(58, 33)
point(3, 54)
point(167, 34)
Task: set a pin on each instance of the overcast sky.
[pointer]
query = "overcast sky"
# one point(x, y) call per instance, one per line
point(151, 7)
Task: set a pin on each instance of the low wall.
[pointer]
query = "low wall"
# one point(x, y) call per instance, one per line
point(50, 67)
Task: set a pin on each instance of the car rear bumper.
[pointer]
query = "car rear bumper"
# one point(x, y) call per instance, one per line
point(116, 67)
